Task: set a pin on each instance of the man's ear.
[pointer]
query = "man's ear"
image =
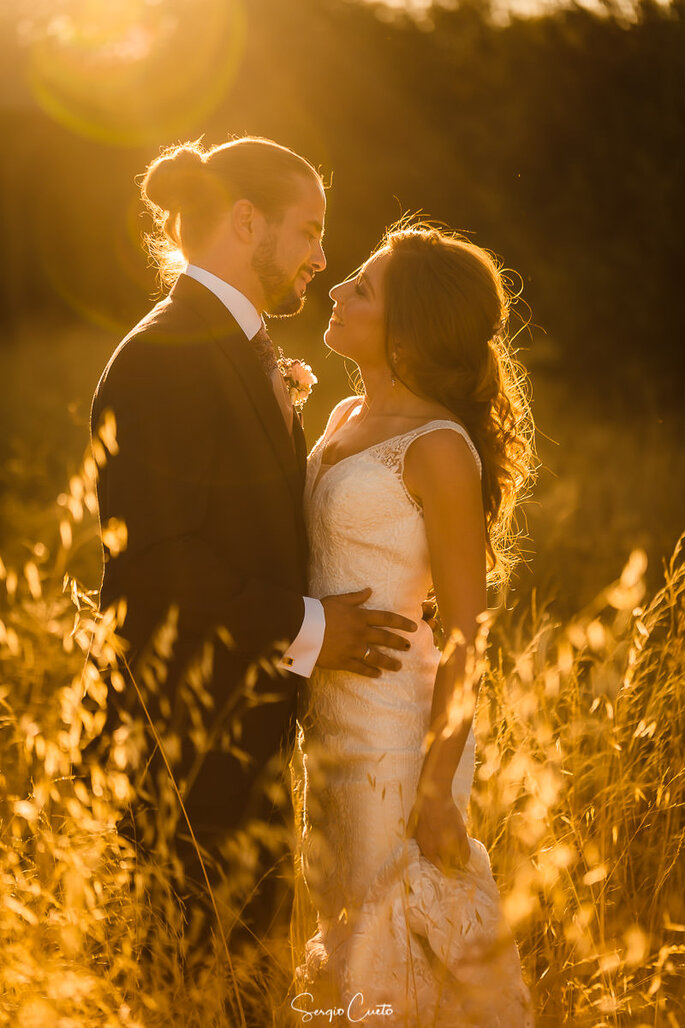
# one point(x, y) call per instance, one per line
point(247, 221)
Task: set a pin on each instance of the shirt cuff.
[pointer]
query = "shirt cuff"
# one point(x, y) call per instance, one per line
point(303, 652)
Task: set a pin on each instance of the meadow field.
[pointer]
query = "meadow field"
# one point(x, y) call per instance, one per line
point(580, 787)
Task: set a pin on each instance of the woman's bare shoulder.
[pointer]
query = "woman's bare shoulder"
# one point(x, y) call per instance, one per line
point(444, 458)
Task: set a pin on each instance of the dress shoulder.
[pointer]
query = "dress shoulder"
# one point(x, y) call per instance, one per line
point(335, 418)
point(397, 447)
point(339, 413)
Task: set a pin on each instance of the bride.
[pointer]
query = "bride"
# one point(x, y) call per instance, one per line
point(412, 487)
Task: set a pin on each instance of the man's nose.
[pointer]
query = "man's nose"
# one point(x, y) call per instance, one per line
point(319, 258)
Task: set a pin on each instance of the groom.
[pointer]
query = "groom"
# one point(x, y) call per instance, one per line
point(208, 478)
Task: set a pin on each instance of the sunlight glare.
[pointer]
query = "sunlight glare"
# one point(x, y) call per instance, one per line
point(126, 72)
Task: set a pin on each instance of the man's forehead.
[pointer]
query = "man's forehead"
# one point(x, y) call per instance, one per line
point(312, 201)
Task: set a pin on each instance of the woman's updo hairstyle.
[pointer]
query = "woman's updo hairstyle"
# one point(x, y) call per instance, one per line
point(446, 314)
point(188, 188)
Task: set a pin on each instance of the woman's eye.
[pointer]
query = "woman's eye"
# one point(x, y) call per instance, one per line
point(358, 288)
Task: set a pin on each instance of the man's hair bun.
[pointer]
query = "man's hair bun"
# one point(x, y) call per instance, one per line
point(173, 180)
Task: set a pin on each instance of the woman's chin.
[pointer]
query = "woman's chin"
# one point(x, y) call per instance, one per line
point(331, 338)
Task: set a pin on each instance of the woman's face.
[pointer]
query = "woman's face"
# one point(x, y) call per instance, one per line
point(357, 325)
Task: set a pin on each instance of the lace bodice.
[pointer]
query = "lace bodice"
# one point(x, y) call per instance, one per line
point(364, 526)
point(365, 529)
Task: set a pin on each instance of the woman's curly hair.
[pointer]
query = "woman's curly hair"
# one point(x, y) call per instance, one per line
point(447, 306)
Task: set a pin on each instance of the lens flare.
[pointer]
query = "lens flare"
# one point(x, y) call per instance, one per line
point(129, 72)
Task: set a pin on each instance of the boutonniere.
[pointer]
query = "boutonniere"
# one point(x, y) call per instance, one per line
point(298, 377)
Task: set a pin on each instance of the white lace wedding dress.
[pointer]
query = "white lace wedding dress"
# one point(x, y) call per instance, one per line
point(392, 928)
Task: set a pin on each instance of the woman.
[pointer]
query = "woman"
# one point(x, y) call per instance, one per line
point(412, 486)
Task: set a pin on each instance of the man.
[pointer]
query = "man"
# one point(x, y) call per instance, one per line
point(208, 478)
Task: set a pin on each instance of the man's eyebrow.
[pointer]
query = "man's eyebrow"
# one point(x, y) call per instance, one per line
point(317, 225)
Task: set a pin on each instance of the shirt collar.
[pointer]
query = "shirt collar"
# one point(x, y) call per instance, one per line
point(242, 309)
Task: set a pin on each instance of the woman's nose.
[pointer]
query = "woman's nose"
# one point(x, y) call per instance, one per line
point(334, 292)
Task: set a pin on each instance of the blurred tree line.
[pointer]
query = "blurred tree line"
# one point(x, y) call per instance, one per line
point(557, 140)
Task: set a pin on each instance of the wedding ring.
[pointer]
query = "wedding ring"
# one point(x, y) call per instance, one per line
point(366, 655)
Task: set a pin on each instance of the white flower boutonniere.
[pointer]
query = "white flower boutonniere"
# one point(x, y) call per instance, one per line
point(299, 379)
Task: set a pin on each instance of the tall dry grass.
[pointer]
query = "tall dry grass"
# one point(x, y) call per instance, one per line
point(579, 798)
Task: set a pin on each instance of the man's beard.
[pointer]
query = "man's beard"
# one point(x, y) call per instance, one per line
point(282, 300)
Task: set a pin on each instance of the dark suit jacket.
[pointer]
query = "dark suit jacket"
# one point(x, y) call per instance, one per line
point(209, 485)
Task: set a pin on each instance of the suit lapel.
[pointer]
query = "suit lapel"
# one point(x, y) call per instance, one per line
point(238, 351)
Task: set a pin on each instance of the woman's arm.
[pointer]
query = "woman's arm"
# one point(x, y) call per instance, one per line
point(440, 471)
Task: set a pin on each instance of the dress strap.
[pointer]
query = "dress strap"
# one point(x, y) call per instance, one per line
point(339, 414)
point(394, 450)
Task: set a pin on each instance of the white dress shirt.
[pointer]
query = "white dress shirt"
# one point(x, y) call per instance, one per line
point(302, 654)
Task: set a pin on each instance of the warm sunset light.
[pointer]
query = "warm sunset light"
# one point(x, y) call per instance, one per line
point(342, 514)
point(119, 72)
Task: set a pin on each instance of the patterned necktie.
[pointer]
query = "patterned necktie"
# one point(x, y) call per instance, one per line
point(266, 352)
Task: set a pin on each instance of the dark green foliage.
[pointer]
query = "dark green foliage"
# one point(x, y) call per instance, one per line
point(557, 140)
